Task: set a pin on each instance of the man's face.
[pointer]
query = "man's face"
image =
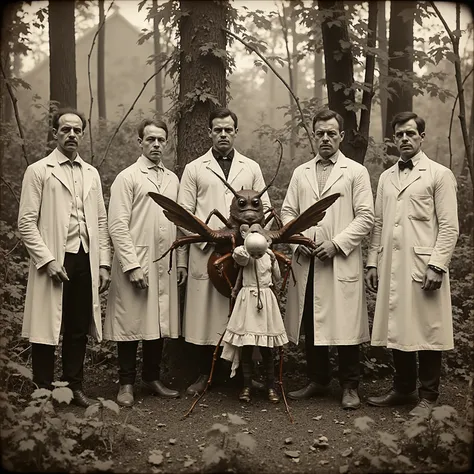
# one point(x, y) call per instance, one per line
point(69, 134)
point(223, 134)
point(328, 137)
point(407, 139)
point(153, 143)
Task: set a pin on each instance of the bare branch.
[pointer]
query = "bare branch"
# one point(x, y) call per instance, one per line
point(131, 107)
point(8, 185)
point(253, 49)
point(451, 122)
point(367, 95)
point(101, 25)
point(17, 114)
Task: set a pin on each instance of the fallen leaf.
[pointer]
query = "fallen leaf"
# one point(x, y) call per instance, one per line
point(323, 462)
point(172, 440)
point(347, 452)
point(317, 418)
point(344, 469)
point(347, 431)
point(310, 431)
point(236, 419)
point(292, 454)
point(288, 440)
point(203, 405)
point(155, 457)
point(161, 425)
point(264, 410)
point(362, 422)
point(295, 460)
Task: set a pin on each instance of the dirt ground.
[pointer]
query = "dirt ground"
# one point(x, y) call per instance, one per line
point(183, 440)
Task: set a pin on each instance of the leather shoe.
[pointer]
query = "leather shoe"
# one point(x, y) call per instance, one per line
point(311, 390)
point(156, 387)
point(393, 398)
point(273, 395)
point(198, 387)
point(80, 399)
point(244, 395)
point(125, 395)
point(423, 409)
point(350, 399)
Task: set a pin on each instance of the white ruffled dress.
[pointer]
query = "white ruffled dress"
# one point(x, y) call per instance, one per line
point(248, 325)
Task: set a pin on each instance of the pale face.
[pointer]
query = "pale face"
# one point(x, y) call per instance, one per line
point(69, 134)
point(222, 134)
point(328, 137)
point(153, 143)
point(407, 139)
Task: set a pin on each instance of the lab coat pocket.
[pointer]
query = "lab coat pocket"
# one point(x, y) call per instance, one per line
point(420, 262)
point(347, 268)
point(421, 207)
point(142, 254)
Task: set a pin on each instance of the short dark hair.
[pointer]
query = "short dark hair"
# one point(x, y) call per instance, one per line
point(67, 110)
point(222, 112)
point(325, 115)
point(404, 117)
point(156, 122)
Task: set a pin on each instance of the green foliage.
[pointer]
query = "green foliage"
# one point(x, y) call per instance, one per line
point(441, 442)
point(227, 446)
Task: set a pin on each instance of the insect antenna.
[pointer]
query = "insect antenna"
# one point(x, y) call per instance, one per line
point(261, 193)
point(234, 192)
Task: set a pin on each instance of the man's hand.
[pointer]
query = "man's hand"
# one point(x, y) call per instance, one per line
point(305, 251)
point(104, 279)
point(138, 279)
point(56, 272)
point(325, 250)
point(182, 275)
point(432, 280)
point(372, 279)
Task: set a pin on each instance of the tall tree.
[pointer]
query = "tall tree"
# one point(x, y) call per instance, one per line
point(338, 60)
point(382, 60)
point(157, 51)
point(101, 64)
point(62, 56)
point(202, 74)
point(400, 63)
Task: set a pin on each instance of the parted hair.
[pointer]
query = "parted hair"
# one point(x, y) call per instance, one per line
point(404, 117)
point(222, 112)
point(327, 114)
point(67, 110)
point(156, 122)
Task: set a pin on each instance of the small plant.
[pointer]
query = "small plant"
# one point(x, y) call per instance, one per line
point(226, 445)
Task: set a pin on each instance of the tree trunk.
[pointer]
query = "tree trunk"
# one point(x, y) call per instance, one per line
point(62, 57)
point(202, 78)
point(294, 72)
point(400, 66)
point(101, 65)
point(382, 63)
point(158, 77)
point(340, 75)
point(318, 68)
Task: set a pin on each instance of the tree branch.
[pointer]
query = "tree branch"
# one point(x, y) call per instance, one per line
point(451, 122)
point(253, 49)
point(17, 114)
point(131, 108)
point(367, 95)
point(101, 25)
point(8, 185)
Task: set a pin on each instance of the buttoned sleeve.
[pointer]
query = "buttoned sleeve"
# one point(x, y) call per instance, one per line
point(104, 239)
point(376, 235)
point(120, 212)
point(28, 215)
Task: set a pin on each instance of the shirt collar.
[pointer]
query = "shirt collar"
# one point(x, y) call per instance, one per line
point(151, 165)
point(332, 158)
point(62, 158)
point(415, 159)
point(218, 156)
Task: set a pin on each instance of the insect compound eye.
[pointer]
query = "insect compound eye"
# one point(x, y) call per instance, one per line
point(241, 202)
point(255, 202)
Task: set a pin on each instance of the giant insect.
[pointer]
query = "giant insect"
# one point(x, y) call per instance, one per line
point(246, 208)
point(246, 211)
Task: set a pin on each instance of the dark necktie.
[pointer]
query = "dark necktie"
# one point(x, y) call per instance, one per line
point(405, 164)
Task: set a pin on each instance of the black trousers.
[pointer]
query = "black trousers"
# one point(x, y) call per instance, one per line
point(429, 372)
point(127, 358)
point(203, 355)
point(317, 357)
point(76, 321)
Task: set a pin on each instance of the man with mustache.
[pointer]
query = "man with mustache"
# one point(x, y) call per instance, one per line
point(206, 310)
point(329, 297)
point(415, 232)
point(143, 298)
point(63, 223)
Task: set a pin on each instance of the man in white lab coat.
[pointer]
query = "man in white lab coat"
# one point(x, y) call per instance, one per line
point(415, 232)
point(329, 296)
point(206, 310)
point(143, 298)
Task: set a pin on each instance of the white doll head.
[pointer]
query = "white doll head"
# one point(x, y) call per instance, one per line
point(256, 244)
